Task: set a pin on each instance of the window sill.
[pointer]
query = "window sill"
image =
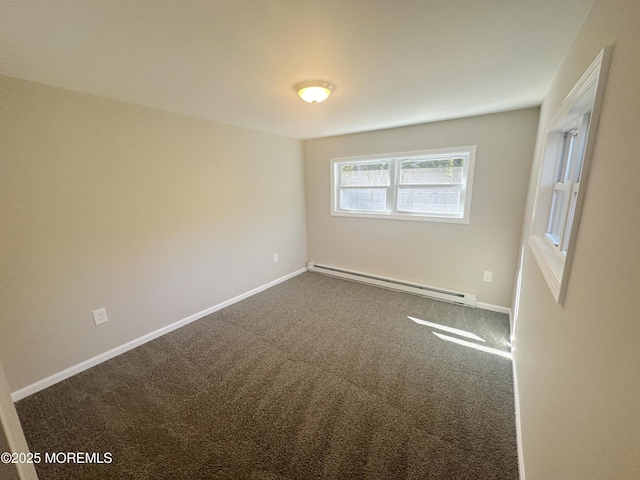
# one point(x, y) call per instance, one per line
point(551, 263)
point(408, 216)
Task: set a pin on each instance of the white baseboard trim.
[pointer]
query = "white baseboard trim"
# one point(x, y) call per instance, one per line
point(114, 352)
point(516, 395)
point(493, 308)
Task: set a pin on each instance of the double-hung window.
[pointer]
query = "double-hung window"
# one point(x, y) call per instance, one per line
point(567, 184)
point(564, 171)
point(364, 186)
point(432, 185)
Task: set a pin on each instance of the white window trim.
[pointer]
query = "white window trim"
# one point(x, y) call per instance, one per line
point(586, 95)
point(467, 189)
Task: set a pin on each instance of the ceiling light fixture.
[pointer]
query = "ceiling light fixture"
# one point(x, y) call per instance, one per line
point(314, 92)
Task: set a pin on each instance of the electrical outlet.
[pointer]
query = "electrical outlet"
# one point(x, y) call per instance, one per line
point(275, 258)
point(487, 277)
point(100, 316)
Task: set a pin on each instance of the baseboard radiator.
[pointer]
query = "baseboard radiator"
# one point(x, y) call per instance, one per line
point(460, 298)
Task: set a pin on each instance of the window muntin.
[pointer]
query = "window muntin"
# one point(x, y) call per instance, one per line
point(432, 185)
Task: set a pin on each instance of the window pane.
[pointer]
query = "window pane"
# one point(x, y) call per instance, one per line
point(363, 199)
point(439, 171)
point(567, 153)
point(364, 174)
point(429, 200)
point(573, 175)
point(558, 214)
point(572, 211)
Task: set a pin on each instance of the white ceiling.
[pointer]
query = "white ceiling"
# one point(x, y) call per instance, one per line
point(394, 62)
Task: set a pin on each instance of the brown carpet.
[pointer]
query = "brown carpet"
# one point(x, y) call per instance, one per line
point(315, 378)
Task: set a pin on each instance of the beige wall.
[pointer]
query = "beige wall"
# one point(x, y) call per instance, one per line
point(440, 254)
point(153, 215)
point(578, 365)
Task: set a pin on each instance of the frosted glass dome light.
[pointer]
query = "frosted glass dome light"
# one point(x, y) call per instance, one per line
point(314, 92)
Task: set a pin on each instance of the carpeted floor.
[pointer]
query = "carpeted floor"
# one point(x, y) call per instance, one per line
point(315, 378)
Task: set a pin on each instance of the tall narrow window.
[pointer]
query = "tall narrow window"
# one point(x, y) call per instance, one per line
point(567, 184)
point(564, 171)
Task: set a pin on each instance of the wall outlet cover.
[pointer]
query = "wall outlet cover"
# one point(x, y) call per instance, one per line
point(100, 316)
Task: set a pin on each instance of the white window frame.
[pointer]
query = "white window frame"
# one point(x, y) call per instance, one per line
point(567, 181)
point(554, 230)
point(395, 160)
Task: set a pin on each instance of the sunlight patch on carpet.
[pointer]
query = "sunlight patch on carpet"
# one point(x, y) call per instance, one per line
point(455, 331)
